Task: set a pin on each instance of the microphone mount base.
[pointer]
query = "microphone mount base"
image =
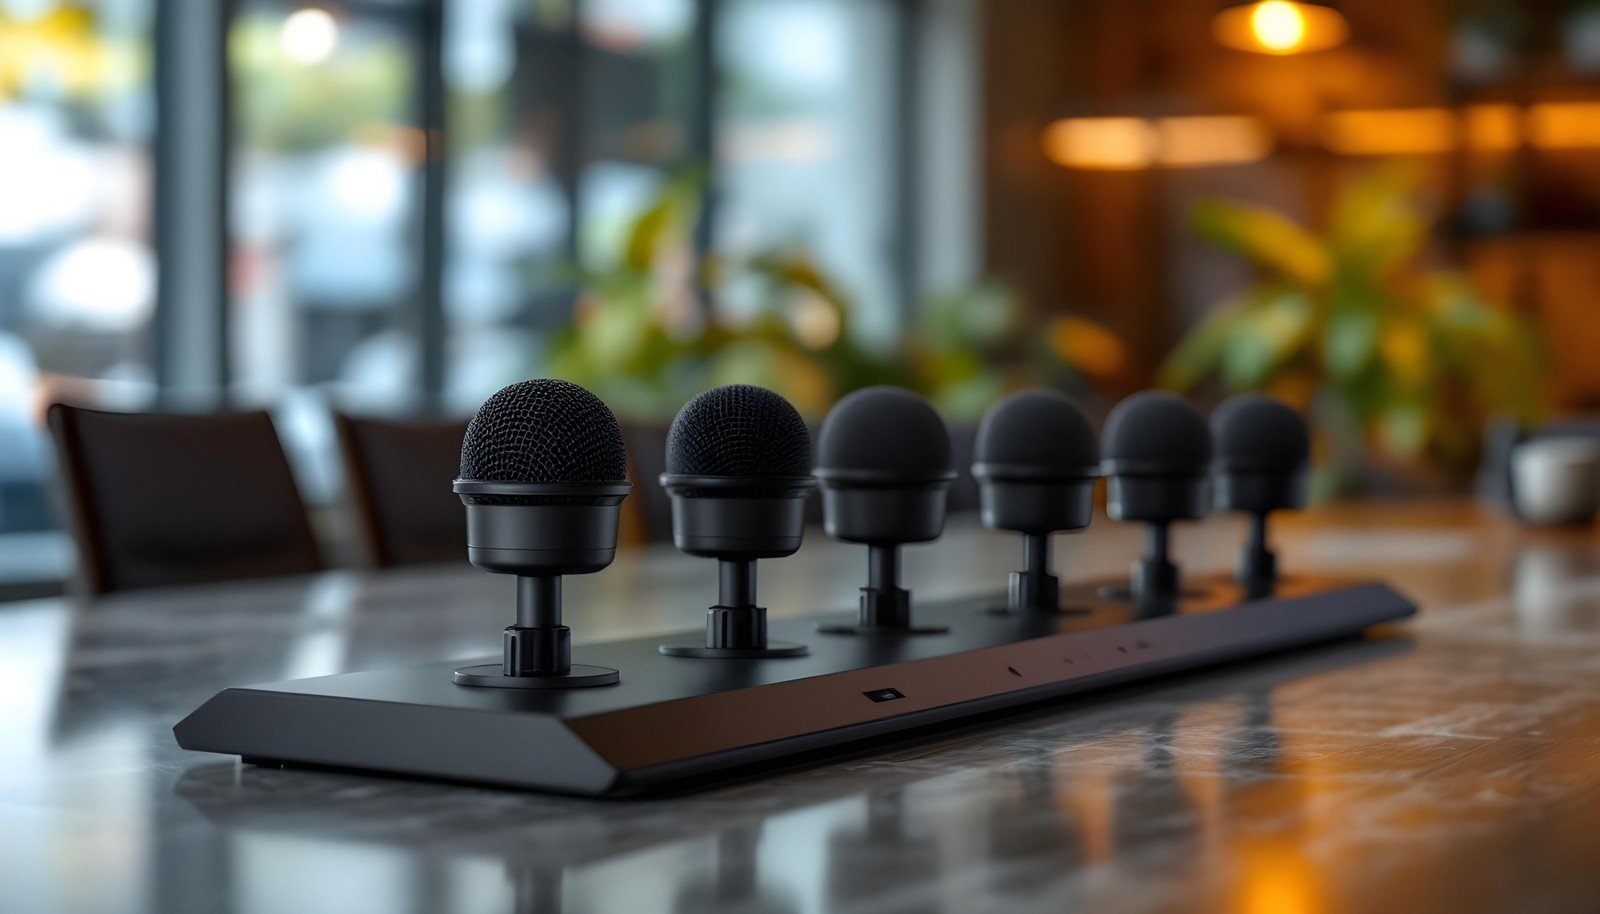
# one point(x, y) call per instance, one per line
point(1034, 589)
point(1258, 565)
point(493, 676)
point(736, 628)
point(885, 610)
point(537, 651)
point(773, 649)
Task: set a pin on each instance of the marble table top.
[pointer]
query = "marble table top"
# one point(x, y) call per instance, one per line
point(1450, 764)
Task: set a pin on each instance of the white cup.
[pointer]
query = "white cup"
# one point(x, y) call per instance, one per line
point(1556, 480)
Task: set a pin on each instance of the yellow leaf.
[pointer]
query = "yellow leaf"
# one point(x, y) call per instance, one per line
point(1266, 237)
point(1088, 347)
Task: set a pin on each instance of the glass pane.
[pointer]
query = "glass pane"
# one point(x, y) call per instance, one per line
point(637, 104)
point(77, 272)
point(545, 109)
point(326, 192)
point(508, 72)
point(805, 124)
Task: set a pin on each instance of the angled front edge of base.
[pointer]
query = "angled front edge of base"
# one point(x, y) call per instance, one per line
point(508, 749)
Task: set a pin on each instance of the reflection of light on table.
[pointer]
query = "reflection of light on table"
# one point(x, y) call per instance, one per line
point(1334, 549)
point(1278, 879)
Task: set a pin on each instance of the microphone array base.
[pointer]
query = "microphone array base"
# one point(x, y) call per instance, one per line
point(671, 723)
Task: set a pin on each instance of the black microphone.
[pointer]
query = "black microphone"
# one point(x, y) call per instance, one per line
point(1263, 449)
point(1157, 455)
point(883, 458)
point(738, 471)
point(543, 476)
point(1037, 464)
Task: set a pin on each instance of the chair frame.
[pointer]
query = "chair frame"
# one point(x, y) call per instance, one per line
point(75, 496)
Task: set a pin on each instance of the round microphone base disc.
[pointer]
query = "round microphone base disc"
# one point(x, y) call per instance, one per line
point(492, 676)
point(1001, 609)
point(883, 630)
point(699, 651)
point(1119, 592)
point(1122, 593)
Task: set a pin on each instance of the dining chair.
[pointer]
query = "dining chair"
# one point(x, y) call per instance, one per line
point(398, 473)
point(156, 499)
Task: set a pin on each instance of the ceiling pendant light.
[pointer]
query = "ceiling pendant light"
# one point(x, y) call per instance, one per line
point(1280, 27)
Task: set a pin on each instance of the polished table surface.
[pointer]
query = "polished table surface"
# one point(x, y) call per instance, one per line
point(1450, 764)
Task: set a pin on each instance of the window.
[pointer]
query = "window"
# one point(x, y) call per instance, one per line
point(805, 143)
point(325, 205)
point(563, 122)
point(511, 74)
point(77, 274)
point(637, 104)
point(350, 280)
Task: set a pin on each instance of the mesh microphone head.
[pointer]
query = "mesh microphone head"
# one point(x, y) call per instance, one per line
point(1257, 434)
point(544, 431)
point(1038, 434)
point(886, 432)
point(1156, 433)
point(739, 430)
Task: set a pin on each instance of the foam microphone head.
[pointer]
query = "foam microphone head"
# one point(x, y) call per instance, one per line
point(738, 471)
point(1037, 463)
point(543, 475)
point(883, 458)
point(1263, 449)
point(1157, 453)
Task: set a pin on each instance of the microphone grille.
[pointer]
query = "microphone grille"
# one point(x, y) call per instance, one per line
point(886, 430)
point(1039, 430)
point(544, 430)
point(1156, 431)
point(739, 430)
point(1254, 431)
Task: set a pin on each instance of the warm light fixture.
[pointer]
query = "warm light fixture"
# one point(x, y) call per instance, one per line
point(1391, 131)
point(1103, 143)
point(1133, 143)
point(1487, 128)
point(1280, 27)
point(1565, 125)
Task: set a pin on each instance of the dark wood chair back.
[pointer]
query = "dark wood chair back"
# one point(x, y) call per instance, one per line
point(399, 474)
point(157, 499)
point(648, 507)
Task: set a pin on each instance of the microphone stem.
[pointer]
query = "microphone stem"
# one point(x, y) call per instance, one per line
point(736, 583)
point(883, 567)
point(1258, 533)
point(538, 601)
point(1156, 543)
point(1036, 553)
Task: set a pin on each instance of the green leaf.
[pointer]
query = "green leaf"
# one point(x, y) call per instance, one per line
point(1269, 335)
point(1201, 351)
point(980, 316)
point(1404, 426)
point(1374, 224)
point(1349, 343)
point(1265, 237)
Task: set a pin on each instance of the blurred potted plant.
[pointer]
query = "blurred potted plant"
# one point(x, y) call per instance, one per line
point(1395, 360)
point(644, 339)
